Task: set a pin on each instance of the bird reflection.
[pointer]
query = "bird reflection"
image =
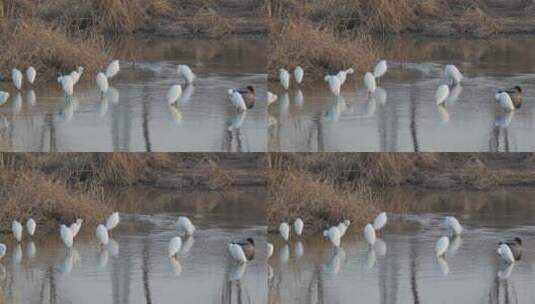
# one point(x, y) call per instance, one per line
point(371, 258)
point(17, 254)
point(31, 250)
point(236, 271)
point(284, 254)
point(237, 121)
point(16, 104)
point(503, 120)
point(299, 250)
point(176, 115)
point(371, 106)
point(102, 107)
point(187, 93)
point(298, 98)
point(112, 95)
point(66, 266)
point(380, 247)
point(30, 98)
point(102, 260)
point(4, 122)
point(187, 244)
point(443, 264)
point(113, 248)
point(67, 111)
point(337, 107)
point(443, 114)
point(455, 92)
point(176, 266)
point(284, 104)
point(455, 244)
point(380, 96)
point(335, 262)
point(505, 273)
point(3, 272)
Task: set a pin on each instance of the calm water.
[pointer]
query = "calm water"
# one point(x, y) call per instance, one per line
point(135, 116)
point(402, 267)
point(136, 269)
point(403, 116)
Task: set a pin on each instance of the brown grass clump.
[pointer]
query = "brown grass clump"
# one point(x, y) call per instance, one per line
point(317, 50)
point(47, 49)
point(318, 202)
point(209, 22)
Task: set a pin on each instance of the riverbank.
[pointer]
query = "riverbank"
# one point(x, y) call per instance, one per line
point(56, 188)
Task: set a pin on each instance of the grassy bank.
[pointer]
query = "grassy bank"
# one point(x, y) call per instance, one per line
point(56, 188)
point(326, 187)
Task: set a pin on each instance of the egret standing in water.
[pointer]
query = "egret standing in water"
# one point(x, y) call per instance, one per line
point(174, 94)
point(505, 253)
point(334, 84)
point(237, 101)
point(30, 226)
point(298, 226)
point(77, 74)
point(343, 226)
point(4, 96)
point(369, 234)
point(284, 230)
point(505, 102)
point(174, 246)
point(380, 69)
point(112, 221)
point(269, 250)
point(102, 235)
point(113, 69)
point(380, 221)
point(369, 82)
point(16, 228)
point(453, 225)
point(185, 72)
point(298, 74)
point(342, 75)
point(284, 78)
point(442, 246)
point(30, 74)
point(452, 73)
point(237, 253)
point(184, 224)
point(66, 236)
point(76, 226)
point(67, 85)
point(16, 76)
point(442, 94)
point(333, 234)
point(102, 83)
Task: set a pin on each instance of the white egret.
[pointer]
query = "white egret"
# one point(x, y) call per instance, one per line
point(237, 253)
point(16, 75)
point(76, 226)
point(66, 236)
point(284, 230)
point(102, 83)
point(343, 226)
point(298, 74)
point(112, 221)
point(77, 74)
point(113, 69)
point(334, 84)
point(505, 102)
point(333, 234)
point(67, 84)
point(298, 226)
point(102, 235)
point(174, 94)
point(442, 94)
point(3, 250)
point(4, 96)
point(30, 74)
point(284, 78)
point(380, 69)
point(369, 234)
point(452, 72)
point(186, 73)
point(16, 228)
point(30, 226)
point(174, 246)
point(342, 75)
point(453, 224)
point(370, 83)
point(237, 100)
point(271, 98)
point(184, 224)
point(505, 253)
point(380, 221)
point(269, 250)
point(442, 246)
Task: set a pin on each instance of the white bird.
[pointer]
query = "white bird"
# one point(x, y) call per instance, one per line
point(174, 246)
point(298, 74)
point(453, 73)
point(3, 250)
point(67, 84)
point(370, 83)
point(505, 102)
point(284, 230)
point(380, 69)
point(442, 246)
point(334, 84)
point(284, 78)
point(342, 75)
point(16, 75)
point(237, 100)
point(66, 236)
point(236, 252)
point(505, 253)
point(174, 94)
point(102, 235)
point(4, 96)
point(269, 250)
point(183, 223)
point(30, 226)
point(333, 234)
point(102, 83)
point(112, 69)
point(30, 74)
point(112, 221)
point(442, 94)
point(16, 228)
point(271, 98)
point(369, 234)
point(76, 226)
point(186, 72)
point(380, 221)
point(343, 226)
point(77, 74)
point(453, 224)
point(298, 226)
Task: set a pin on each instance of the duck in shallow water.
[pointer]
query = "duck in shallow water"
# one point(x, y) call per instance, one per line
point(248, 94)
point(515, 94)
point(515, 245)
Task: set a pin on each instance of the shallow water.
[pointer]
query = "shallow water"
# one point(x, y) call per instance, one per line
point(402, 267)
point(136, 269)
point(134, 115)
point(403, 116)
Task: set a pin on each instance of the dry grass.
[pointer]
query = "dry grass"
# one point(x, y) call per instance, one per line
point(317, 50)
